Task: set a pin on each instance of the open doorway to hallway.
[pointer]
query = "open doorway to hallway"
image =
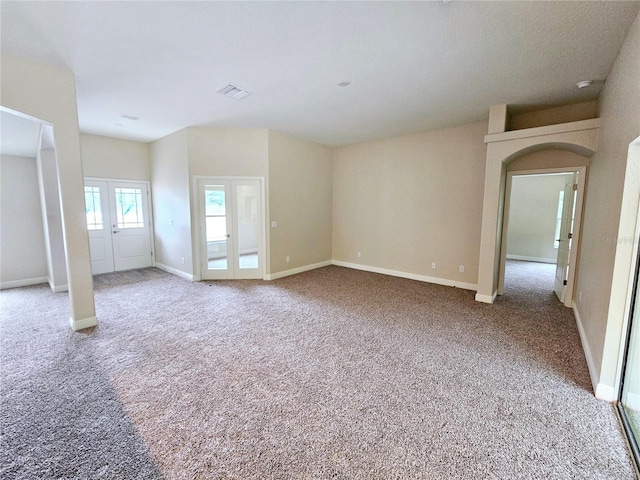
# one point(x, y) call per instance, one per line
point(539, 221)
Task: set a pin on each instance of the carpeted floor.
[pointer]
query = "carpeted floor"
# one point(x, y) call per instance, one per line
point(330, 374)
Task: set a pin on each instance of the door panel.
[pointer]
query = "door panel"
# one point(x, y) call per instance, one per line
point(96, 198)
point(131, 232)
point(231, 228)
point(248, 239)
point(218, 247)
point(564, 241)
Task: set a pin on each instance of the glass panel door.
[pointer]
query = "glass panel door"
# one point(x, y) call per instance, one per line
point(248, 227)
point(630, 397)
point(231, 226)
point(216, 231)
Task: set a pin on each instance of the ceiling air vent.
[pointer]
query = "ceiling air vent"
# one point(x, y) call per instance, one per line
point(232, 91)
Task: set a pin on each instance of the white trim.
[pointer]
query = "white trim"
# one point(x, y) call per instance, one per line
point(531, 259)
point(590, 124)
point(23, 283)
point(412, 276)
point(83, 323)
point(294, 271)
point(605, 392)
point(486, 298)
point(601, 391)
point(174, 271)
point(624, 272)
point(58, 288)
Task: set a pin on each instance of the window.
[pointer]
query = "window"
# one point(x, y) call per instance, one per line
point(129, 207)
point(93, 208)
point(556, 243)
point(216, 213)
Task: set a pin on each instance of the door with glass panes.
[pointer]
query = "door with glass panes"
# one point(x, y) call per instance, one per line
point(119, 225)
point(230, 228)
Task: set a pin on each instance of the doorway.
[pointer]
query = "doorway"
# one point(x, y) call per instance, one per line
point(119, 225)
point(541, 225)
point(230, 223)
point(629, 399)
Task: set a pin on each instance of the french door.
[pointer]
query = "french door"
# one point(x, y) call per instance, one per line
point(119, 225)
point(230, 228)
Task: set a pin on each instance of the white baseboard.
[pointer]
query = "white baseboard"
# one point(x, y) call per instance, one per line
point(83, 323)
point(175, 271)
point(294, 271)
point(605, 392)
point(486, 298)
point(412, 276)
point(58, 288)
point(531, 259)
point(601, 391)
point(23, 283)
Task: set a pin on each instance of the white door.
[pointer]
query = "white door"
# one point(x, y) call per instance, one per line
point(230, 228)
point(564, 240)
point(96, 199)
point(119, 225)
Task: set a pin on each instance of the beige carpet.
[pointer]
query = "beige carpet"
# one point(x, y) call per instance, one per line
point(330, 374)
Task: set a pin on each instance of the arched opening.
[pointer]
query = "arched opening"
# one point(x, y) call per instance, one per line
point(503, 148)
point(544, 194)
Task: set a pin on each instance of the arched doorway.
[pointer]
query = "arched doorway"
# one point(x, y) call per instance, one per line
point(502, 148)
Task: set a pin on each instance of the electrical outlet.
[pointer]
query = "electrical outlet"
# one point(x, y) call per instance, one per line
point(287, 259)
point(359, 254)
point(274, 224)
point(433, 265)
point(580, 296)
point(461, 268)
point(183, 260)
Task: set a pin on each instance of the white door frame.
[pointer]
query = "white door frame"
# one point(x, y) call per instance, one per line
point(197, 222)
point(573, 256)
point(152, 242)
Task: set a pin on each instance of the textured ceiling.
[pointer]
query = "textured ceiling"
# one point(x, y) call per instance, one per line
point(412, 65)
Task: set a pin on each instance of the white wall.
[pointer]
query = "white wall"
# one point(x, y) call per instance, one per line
point(22, 248)
point(113, 158)
point(533, 216)
point(405, 202)
point(619, 111)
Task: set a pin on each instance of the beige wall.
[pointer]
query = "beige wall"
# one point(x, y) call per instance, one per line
point(620, 114)
point(228, 151)
point(300, 199)
point(106, 157)
point(171, 205)
point(547, 159)
point(533, 212)
point(22, 248)
point(554, 115)
point(405, 202)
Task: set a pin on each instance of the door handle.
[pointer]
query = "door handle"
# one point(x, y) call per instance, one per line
point(116, 231)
